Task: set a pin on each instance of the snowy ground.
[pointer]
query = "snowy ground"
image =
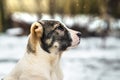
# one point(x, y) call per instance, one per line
point(89, 61)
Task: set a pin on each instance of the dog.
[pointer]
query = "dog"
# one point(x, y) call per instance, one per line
point(48, 39)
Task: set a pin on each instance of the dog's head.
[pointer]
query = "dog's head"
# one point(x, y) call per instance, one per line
point(53, 35)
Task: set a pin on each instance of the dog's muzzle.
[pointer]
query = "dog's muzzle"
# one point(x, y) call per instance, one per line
point(76, 36)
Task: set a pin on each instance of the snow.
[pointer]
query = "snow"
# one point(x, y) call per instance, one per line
point(92, 22)
point(97, 23)
point(45, 16)
point(14, 31)
point(89, 61)
point(24, 17)
point(5, 68)
point(58, 17)
point(82, 20)
point(68, 20)
point(115, 24)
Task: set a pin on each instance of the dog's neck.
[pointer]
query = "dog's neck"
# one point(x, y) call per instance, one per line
point(52, 59)
point(34, 49)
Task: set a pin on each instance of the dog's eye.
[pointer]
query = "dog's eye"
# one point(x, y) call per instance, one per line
point(60, 28)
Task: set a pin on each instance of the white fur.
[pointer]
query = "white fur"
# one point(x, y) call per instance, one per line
point(40, 65)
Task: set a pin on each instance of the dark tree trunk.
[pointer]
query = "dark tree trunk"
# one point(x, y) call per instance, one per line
point(114, 8)
point(2, 15)
point(52, 7)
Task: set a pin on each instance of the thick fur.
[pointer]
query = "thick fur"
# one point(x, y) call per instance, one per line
point(47, 40)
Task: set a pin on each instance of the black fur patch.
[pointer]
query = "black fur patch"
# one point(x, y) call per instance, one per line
point(65, 41)
point(54, 33)
point(47, 34)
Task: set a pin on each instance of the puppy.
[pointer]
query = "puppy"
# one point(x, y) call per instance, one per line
point(47, 41)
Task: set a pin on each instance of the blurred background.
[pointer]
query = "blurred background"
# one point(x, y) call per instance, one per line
point(98, 55)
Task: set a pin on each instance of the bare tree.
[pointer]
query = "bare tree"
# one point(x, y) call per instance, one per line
point(114, 8)
point(2, 15)
point(52, 7)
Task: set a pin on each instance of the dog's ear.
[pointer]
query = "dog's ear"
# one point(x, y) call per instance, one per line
point(36, 30)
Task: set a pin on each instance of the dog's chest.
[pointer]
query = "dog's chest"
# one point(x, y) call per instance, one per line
point(56, 75)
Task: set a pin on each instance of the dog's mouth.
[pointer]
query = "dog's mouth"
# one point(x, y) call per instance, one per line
point(75, 44)
point(75, 36)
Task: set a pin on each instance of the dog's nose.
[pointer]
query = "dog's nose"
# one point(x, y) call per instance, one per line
point(79, 34)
